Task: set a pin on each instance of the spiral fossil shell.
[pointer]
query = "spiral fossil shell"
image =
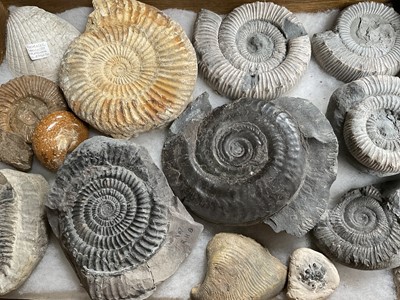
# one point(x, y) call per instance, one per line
point(239, 268)
point(25, 100)
point(362, 231)
point(116, 219)
point(365, 41)
point(259, 50)
point(132, 70)
point(365, 117)
point(252, 161)
point(30, 25)
point(23, 229)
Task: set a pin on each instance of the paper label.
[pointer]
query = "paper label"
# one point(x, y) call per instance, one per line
point(38, 50)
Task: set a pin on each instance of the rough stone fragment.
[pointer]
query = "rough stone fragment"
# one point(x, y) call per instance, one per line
point(239, 268)
point(118, 222)
point(14, 151)
point(312, 276)
point(23, 228)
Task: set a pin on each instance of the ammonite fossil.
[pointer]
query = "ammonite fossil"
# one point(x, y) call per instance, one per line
point(239, 268)
point(365, 117)
point(47, 36)
point(251, 161)
point(25, 100)
point(259, 50)
point(23, 228)
point(14, 151)
point(117, 220)
point(362, 231)
point(312, 276)
point(132, 70)
point(56, 135)
point(365, 41)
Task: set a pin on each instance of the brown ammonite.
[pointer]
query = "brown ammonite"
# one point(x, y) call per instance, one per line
point(132, 70)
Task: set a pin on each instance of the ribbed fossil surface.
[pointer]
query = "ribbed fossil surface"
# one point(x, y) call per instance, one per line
point(363, 230)
point(239, 268)
point(252, 161)
point(365, 117)
point(132, 70)
point(32, 25)
point(115, 217)
point(365, 41)
point(258, 50)
point(23, 228)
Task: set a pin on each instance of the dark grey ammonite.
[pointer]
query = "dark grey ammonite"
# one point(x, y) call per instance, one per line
point(363, 230)
point(106, 206)
point(252, 161)
point(365, 115)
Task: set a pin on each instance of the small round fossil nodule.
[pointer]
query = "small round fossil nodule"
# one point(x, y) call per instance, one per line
point(365, 41)
point(55, 136)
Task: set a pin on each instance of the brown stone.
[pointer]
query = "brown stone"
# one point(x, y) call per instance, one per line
point(14, 151)
point(55, 136)
point(3, 30)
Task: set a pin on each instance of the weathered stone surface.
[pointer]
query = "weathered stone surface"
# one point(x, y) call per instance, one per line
point(14, 151)
point(118, 221)
point(311, 275)
point(23, 228)
point(239, 268)
point(253, 161)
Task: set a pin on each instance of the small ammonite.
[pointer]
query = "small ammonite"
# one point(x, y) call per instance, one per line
point(25, 100)
point(57, 135)
point(112, 210)
point(365, 41)
point(362, 231)
point(132, 70)
point(252, 161)
point(365, 115)
point(259, 50)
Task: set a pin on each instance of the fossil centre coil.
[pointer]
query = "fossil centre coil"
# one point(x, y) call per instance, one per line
point(253, 161)
point(364, 42)
point(365, 115)
point(259, 50)
point(117, 219)
point(132, 70)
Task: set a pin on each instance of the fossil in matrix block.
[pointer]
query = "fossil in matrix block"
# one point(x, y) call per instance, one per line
point(117, 220)
point(132, 70)
point(43, 35)
point(363, 230)
point(365, 115)
point(365, 41)
point(239, 268)
point(259, 50)
point(23, 228)
point(253, 161)
point(25, 100)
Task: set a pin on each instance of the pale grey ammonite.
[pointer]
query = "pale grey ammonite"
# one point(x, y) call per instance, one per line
point(362, 231)
point(259, 50)
point(112, 210)
point(132, 70)
point(25, 100)
point(365, 41)
point(365, 115)
point(253, 161)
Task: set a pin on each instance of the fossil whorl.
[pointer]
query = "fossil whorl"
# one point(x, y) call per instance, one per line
point(239, 268)
point(31, 25)
point(113, 210)
point(249, 161)
point(362, 231)
point(25, 100)
point(132, 70)
point(259, 50)
point(365, 116)
point(23, 229)
point(365, 41)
